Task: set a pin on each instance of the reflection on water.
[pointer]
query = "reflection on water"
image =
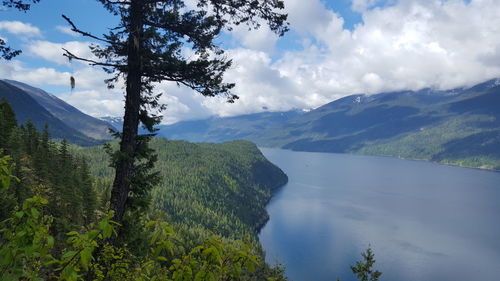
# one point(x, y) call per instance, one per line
point(424, 221)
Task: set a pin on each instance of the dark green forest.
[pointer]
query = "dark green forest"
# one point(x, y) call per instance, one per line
point(218, 187)
point(200, 222)
point(202, 225)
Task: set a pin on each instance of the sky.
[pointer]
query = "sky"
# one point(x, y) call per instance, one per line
point(334, 48)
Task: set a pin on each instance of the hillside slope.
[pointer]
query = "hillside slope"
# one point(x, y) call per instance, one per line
point(74, 118)
point(223, 188)
point(27, 108)
point(461, 126)
point(219, 129)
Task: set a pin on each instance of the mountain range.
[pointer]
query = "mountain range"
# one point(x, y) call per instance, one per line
point(459, 126)
point(64, 121)
point(221, 129)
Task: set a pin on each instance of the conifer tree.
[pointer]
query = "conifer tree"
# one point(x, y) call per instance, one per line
point(147, 48)
point(7, 121)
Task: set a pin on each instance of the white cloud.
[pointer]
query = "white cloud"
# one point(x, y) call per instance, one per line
point(7, 68)
point(409, 44)
point(90, 95)
point(182, 103)
point(258, 85)
point(262, 39)
point(46, 76)
point(20, 28)
point(67, 30)
point(96, 103)
point(53, 52)
point(16, 70)
point(87, 78)
point(364, 5)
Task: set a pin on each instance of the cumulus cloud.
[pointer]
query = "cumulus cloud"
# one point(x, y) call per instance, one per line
point(96, 103)
point(7, 68)
point(90, 95)
point(400, 45)
point(182, 103)
point(262, 39)
point(87, 78)
point(20, 28)
point(257, 84)
point(53, 52)
point(364, 5)
point(46, 76)
point(16, 70)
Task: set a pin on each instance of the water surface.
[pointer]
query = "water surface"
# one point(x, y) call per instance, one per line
point(424, 221)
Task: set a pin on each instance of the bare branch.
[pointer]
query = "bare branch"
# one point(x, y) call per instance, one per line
point(75, 29)
point(71, 56)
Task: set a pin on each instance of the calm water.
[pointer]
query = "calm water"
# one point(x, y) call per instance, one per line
point(424, 221)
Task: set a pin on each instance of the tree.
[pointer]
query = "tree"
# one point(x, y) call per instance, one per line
point(147, 48)
point(363, 269)
point(7, 121)
point(7, 52)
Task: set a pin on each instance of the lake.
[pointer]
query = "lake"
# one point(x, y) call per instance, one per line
point(424, 221)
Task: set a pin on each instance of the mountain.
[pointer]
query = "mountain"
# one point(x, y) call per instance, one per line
point(116, 122)
point(217, 129)
point(27, 108)
point(74, 118)
point(460, 126)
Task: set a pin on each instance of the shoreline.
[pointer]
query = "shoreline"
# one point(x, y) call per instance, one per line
point(395, 157)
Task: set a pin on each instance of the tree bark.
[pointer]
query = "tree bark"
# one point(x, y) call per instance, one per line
point(128, 144)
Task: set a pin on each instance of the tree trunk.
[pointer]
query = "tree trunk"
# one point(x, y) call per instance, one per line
point(128, 144)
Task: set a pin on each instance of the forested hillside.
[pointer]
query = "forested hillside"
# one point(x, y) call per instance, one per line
point(202, 225)
point(222, 188)
point(48, 169)
point(458, 126)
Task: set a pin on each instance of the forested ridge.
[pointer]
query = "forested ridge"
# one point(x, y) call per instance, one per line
point(222, 188)
point(202, 223)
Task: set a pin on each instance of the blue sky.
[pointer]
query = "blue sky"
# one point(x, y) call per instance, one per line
point(335, 48)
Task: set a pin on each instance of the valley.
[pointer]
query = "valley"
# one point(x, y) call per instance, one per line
point(459, 127)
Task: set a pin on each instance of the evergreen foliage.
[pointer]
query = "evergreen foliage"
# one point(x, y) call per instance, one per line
point(215, 195)
point(147, 48)
point(66, 237)
point(222, 188)
point(364, 269)
point(45, 168)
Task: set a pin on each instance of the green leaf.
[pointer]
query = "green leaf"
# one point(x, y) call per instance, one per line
point(69, 254)
point(50, 242)
point(85, 257)
point(160, 258)
point(35, 213)
point(150, 224)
